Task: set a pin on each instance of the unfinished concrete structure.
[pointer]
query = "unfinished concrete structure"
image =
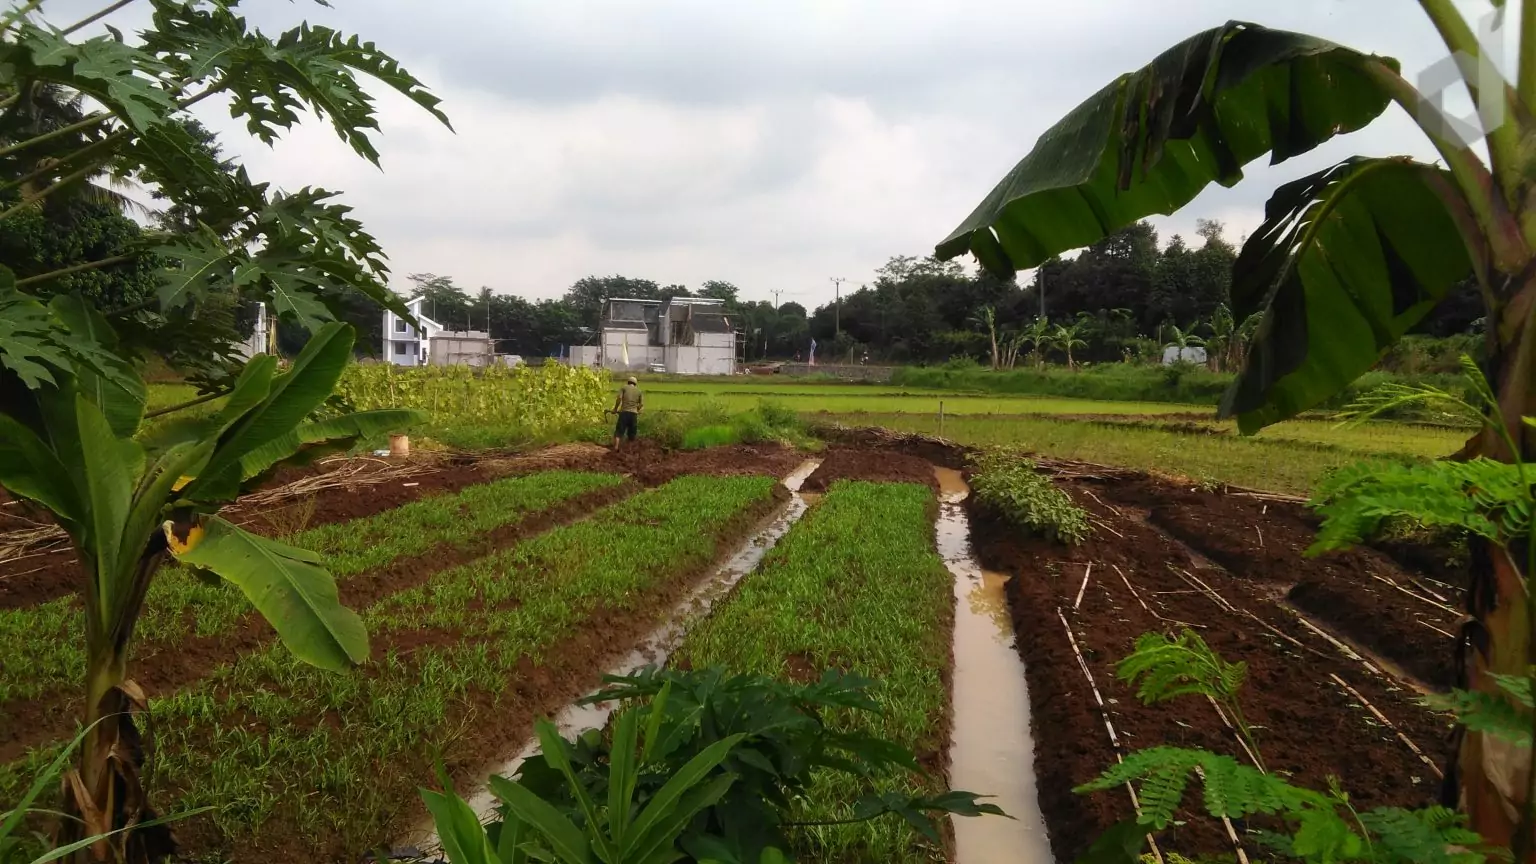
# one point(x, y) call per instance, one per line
point(683, 335)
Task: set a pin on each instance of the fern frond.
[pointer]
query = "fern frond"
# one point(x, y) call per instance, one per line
point(1393, 397)
point(1164, 668)
point(1518, 687)
point(1489, 713)
point(1481, 496)
point(1433, 835)
point(1231, 789)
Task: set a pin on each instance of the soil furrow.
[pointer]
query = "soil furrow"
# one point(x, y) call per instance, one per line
point(1309, 727)
point(163, 668)
point(491, 724)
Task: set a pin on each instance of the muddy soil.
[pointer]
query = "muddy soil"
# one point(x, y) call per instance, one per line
point(1359, 593)
point(1310, 727)
point(842, 462)
point(496, 724)
point(649, 463)
point(32, 579)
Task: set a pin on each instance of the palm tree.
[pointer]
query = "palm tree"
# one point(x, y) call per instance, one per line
point(44, 108)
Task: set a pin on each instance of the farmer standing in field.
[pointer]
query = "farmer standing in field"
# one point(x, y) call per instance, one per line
point(628, 405)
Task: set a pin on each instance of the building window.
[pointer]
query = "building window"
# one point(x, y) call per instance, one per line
point(400, 348)
point(399, 325)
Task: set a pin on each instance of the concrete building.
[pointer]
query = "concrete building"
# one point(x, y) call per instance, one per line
point(683, 336)
point(459, 348)
point(263, 335)
point(405, 345)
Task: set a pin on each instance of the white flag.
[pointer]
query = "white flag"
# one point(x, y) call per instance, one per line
point(626, 351)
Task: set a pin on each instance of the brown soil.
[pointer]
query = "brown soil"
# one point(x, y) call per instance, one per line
point(496, 724)
point(33, 579)
point(1352, 591)
point(651, 464)
point(1309, 727)
point(163, 668)
point(842, 462)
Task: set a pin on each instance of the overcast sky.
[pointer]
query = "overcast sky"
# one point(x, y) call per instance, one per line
point(770, 143)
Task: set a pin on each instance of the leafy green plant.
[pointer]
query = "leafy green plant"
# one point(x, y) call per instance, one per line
point(1008, 483)
point(728, 753)
point(15, 850)
point(68, 447)
point(1347, 261)
point(1166, 668)
point(1320, 826)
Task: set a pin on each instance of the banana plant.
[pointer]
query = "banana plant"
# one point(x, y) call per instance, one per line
point(70, 411)
point(1346, 261)
point(1066, 338)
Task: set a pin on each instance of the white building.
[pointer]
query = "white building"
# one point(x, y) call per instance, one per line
point(684, 336)
point(404, 345)
point(263, 336)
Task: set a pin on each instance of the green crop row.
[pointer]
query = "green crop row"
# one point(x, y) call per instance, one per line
point(856, 585)
point(180, 605)
point(283, 749)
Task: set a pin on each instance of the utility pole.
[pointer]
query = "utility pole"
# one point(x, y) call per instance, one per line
point(1041, 277)
point(837, 301)
point(776, 292)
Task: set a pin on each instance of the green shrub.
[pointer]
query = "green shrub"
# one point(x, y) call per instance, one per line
point(1009, 484)
point(711, 436)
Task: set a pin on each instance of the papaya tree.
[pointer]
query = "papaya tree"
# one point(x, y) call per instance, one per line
point(1345, 262)
point(72, 403)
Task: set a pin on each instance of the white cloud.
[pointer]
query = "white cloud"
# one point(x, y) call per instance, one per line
point(774, 143)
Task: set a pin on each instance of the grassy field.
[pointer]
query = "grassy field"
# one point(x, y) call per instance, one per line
point(1289, 456)
point(856, 585)
point(1274, 463)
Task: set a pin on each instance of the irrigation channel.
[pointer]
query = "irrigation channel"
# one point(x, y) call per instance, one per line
point(656, 647)
point(991, 749)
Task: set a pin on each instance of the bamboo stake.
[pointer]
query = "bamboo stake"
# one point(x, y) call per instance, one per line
point(1342, 648)
point(1434, 628)
point(1087, 572)
point(1114, 740)
point(1252, 757)
point(1132, 589)
point(1426, 589)
point(1106, 526)
point(1192, 581)
point(1420, 598)
point(1108, 507)
point(1388, 723)
point(1261, 536)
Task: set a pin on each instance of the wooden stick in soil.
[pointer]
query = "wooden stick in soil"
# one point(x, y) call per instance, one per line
point(1108, 507)
point(1132, 589)
point(1441, 606)
point(1382, 718)
point(1087, 572)
point(1193, 582)
point(1252, 757)
point(1114, 740)
point(1436, 629)
point(1342, 648)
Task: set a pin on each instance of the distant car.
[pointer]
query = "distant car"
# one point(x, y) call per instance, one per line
point(510, 360)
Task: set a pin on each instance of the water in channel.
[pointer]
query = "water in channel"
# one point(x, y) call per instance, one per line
point(991, 751)
point(660, 643)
